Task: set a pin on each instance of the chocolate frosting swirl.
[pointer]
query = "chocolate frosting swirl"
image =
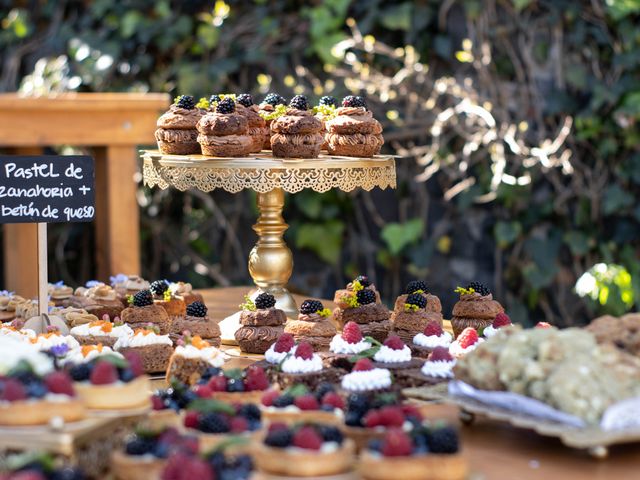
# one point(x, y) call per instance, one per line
point(180, 118)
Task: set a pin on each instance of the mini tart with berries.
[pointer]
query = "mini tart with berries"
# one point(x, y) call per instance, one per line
point(262, 324)
point(224, 132)
point(234, 385)
point(305, 367)
point(476, 308)
point(154, 349)
point(272, 107)
point(394, 354)
point(191, 358)
point(162, 295)
point(38, 465)
point(111, 382)
point(100, 331)
point(308, 450)
point(297, 133)
point(364, 377)
point(298, 404)
point(313, 325)
point(344, 346)
point(413, 311)
point(258, 129)
point(145, 453)
point(502, 320)
point(176, 133)
point(431, 337)
point(360, 303)
point(198, 323)
point(143, 312)
point(31, 393)
point(437, 369)
point(426, 453)
point(215, 422)
point(354, 132)
point(167, 404)
point(467, 341)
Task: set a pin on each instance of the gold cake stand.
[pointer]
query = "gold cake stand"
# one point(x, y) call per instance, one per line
point(270, 260)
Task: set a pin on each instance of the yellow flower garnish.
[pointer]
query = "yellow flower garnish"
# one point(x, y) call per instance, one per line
point(325, 312)
point(356, 286)
point(408, 307)
point(464, 291)
point(279, 111)
point(203, 103)
point(248, 304)
point(167, 295)
point(327, 111)
point(351, 301)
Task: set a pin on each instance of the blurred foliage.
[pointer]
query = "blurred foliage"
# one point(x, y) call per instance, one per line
point(521, 118)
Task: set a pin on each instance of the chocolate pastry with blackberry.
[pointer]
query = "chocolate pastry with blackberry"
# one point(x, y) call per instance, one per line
point(224, 132)
point(297, 134)
point(261, 322)
point(313, 325)
point(272, 107)
point(476, 308)
point(414, 310)
point(162, 295)
point(258, 129)
point(353, 132)
point(176, 133)
point(197, 322)
point(143, 312)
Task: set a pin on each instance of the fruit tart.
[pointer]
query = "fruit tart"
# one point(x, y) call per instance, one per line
point(258, 129)
point(144, 311)
point(223, 132)
point(368, 417)
point(154, 349)
point(366, 378)
point(31, 392)
point(38, 465)
point(198, 323)
point(233, 385)
point(275, 355)
point(313, 325)
point(299, 404)
point(261, 322)
point(100, 331)
point(191, 358)
point(185, 292)
point(426, 341)
point(176, 133)
point(215, 422)
point(308, 450)
point(146, 452)
point(345, 345)
point(466, 342)
point(175, 307)
point(502, 320)
point(167, 404)
point(272, 107)
point(297, 133)
point(305, 367)
point(426, 453)
point(353, 132)
point(360, 303)
point(476, 308)
point(437, 369)
point(111, 382)
point(413, 311)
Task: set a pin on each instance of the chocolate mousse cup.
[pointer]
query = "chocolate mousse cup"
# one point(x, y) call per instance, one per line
point(297, 134)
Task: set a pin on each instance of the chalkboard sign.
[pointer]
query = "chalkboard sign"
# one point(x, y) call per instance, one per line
point(47, 189)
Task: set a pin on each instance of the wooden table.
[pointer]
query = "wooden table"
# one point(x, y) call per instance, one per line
point(113, 126)
point(495, 451)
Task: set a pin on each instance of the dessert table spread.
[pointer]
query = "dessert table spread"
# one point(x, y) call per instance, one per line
point(494, 450)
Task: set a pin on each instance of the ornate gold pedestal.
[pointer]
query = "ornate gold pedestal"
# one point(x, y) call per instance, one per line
point(270, 260)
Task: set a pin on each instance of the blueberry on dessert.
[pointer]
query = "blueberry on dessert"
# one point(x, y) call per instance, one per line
point(305, 367)
point(154, 348)
point(304, 450)
point(313, 325)
point(502, 320)
point(466, 342)
point(297, 133)
point(234, 385)
point(262, 323)
point(431, 337)
point(228, 464)
point(353, 131)
point(197, 323)
point(224, 131)
point(192, 357)
point(300, 404)
point(176, 132)
point(476, 308)
point(366, 378)
point(272, 107)
point(258, 129)
point(426, 453)
point(360, 302)
point(142, 311)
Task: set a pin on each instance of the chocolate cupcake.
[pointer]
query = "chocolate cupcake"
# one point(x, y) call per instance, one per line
point(176, 133)
point(143, 312)
point(297, 134)
point(414, 310)
point(272, 107)
point(354, 132)
point(224, 132)
point(312, 326)
point(261, 322)
point(197, 323)
point(476, 308)
point(258, 129)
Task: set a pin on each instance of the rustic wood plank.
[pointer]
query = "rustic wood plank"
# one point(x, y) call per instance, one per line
point(117, 227)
